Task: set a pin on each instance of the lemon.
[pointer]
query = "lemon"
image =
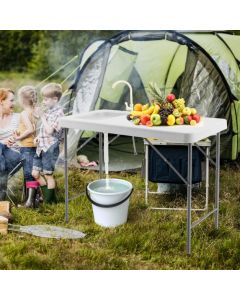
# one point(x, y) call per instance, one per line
point(171, 120)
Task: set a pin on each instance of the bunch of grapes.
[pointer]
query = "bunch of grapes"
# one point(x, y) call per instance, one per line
point(164, 113)
point(179, 104)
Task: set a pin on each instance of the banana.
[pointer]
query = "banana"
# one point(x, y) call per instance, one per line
point(145, 106)
point(153, 108)
point(156, 109)
point(136, 113)
point(148, 111)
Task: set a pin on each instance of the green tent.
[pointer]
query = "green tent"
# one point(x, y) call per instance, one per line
point(201, 67)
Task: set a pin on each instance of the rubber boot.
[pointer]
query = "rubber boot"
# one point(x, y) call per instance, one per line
point(49, 195)
point(30, 203)
point(44, 192)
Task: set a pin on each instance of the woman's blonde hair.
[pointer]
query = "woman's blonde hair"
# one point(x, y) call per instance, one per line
point(27, 95)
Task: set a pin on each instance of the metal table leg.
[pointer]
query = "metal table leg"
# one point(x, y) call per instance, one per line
point(66, 174)
point(217, 177)
point(189, 198)
point(100, 155)
point(207, 177)
point(146, 174)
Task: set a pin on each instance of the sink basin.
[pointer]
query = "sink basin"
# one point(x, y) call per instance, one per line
point(100, 114)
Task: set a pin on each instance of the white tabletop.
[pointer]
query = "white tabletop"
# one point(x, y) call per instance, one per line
point(115, 121)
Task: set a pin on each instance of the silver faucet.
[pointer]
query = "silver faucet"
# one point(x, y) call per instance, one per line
point(128, 108)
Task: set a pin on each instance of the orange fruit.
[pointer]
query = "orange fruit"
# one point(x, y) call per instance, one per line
point(138, 107)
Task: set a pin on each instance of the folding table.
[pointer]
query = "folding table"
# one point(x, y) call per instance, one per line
point(115, 122)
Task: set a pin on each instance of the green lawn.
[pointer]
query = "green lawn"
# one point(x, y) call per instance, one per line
point(149, 240)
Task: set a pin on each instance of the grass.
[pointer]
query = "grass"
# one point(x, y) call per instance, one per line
point(149, 240)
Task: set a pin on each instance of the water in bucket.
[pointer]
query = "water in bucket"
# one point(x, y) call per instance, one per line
point(111, 187)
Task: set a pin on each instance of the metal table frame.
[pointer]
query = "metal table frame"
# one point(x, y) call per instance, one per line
point(188, 182)
point(202, 144)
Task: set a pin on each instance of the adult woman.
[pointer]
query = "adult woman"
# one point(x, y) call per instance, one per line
point(9, 152)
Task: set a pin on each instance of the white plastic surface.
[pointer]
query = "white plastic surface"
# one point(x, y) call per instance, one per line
point(115, 121)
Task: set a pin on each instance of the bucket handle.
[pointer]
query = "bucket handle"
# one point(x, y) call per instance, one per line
point(107, 205)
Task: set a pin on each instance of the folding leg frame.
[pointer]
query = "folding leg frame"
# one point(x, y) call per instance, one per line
point(147, 191)
point(188, 182)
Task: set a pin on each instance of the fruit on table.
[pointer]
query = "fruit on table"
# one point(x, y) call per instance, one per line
point(176, 113)
point(147, 111)
point(187, 119)
point(156, 119)
point(156, 108)
point(179, 104)
point(179, 121)
point(171, 97)
point(149, 123)
point(144, 119)
point(164, 112)
point(136, 121)
point(145, 106)
point(138, 107)
point(193, 122)
point(193, 111)
point(186, 111)
point(196, 117)
point(171, 120)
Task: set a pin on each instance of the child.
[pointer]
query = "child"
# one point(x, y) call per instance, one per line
point(25, 136)
point(48, 140)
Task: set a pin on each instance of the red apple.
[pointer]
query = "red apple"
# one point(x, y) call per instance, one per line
point(187, 119)
point(196, 117)
point(144, 119)
point(149, 123)
point(171, 97)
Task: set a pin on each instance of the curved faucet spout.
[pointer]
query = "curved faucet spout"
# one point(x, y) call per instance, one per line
point(129, 108)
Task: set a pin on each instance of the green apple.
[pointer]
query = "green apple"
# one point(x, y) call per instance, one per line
point(186, 111)
point(193, 111)
point(156, 119)
point(136, 121)
point(193, 122)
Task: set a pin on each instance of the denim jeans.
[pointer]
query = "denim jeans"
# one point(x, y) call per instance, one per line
point(28, 154)
point(11, 159)
point(46, 161)
point(2, 159)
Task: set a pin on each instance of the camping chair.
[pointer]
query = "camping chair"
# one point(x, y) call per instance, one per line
point(10, 194)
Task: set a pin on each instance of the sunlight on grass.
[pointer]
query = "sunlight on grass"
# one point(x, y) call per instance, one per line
point(149, 240)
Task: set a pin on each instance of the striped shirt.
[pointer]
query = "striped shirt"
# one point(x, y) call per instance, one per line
point(45, 140)
point(7, 132)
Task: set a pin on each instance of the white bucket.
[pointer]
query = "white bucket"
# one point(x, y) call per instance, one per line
point(110, 201)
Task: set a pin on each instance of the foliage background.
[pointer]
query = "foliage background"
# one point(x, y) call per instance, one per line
point(41, 52)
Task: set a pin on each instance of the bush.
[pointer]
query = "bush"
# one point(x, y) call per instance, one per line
point(55, 48)
point(16, 49)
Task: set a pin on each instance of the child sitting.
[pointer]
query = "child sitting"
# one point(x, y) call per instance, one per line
point(48, 140)
point(25, 136)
